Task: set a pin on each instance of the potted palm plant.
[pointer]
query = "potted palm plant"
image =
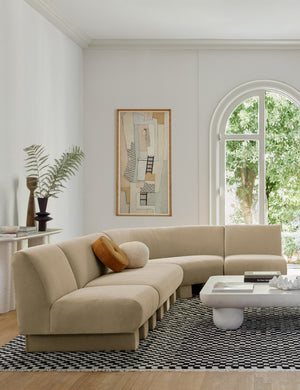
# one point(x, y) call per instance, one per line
point(50, 178)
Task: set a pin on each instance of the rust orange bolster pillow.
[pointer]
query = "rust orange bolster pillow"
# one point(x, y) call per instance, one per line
point(110, 254)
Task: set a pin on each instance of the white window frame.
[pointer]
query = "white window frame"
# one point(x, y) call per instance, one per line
point(218, 138)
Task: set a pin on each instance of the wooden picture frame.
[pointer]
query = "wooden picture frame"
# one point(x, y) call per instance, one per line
point(144, 163)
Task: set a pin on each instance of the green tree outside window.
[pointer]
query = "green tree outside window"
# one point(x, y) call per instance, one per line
point(282, 164)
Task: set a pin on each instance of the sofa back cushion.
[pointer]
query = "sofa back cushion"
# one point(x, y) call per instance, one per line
point(252, 239)
point(174, 240)
point(82, 259)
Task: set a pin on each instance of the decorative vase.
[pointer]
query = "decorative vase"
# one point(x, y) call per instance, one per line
point(42, 215)
point(32, 183)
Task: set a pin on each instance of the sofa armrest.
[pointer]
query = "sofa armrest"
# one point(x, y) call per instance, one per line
point(42, 274)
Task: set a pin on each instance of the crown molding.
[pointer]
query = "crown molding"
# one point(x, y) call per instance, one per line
point(66, 26)
point(193, 44)
point(49, 11)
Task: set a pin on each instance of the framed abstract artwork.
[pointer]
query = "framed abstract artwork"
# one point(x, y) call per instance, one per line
point(144, 163)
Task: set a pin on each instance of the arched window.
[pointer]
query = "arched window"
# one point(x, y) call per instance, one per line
point(255, 158)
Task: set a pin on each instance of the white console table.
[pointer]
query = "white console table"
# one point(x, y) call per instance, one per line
point(9, 245)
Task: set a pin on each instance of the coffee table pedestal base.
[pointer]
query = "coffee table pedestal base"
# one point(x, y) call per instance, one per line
point(228, 318)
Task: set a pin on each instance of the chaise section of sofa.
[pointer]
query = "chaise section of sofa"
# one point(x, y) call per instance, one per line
point(253, 248)
point(198, 250)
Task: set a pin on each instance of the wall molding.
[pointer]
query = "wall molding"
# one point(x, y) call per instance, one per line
point(193, 44)
point(64, 25)
point(51, 13)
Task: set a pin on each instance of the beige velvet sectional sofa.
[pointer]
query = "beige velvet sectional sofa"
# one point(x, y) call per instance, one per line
point(67, 300)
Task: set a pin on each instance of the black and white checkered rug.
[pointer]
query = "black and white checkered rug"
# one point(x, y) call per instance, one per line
point(185, 340)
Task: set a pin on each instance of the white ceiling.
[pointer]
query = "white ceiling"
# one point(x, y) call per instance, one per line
point(182, 19)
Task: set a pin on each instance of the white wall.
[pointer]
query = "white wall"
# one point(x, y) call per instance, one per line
point(191, 83)
point(131, 80)
point(40, 102)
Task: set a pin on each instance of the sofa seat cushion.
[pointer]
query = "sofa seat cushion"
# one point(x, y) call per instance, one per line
point(164, 278)
point(196, 269)
point(103, 309)
point(238, 264)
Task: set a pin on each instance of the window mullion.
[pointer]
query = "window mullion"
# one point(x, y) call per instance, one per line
point(241, 137)
point(261, 158)
point(221, 191)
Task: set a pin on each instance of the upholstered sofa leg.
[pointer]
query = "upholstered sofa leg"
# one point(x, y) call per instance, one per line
point(144, 330)
point(185, 292)
point(167, 305)
point(160, 313)
point(173, 298)
point(152, 322)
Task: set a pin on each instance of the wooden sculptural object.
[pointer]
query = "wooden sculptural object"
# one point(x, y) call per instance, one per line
point(31, 185)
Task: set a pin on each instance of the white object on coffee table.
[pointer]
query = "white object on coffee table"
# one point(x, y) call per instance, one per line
point(228, 307)
point(285, 283)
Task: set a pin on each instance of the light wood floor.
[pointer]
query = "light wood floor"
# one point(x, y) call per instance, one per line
point(139, 380)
